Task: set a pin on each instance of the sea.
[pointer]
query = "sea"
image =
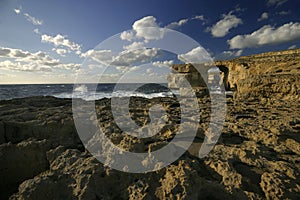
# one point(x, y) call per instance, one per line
point(85, 91)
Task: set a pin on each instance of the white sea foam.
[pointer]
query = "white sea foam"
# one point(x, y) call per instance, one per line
point(92, 95)
point(81, 89)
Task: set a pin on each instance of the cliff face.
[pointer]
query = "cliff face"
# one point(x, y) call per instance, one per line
point(267, 74)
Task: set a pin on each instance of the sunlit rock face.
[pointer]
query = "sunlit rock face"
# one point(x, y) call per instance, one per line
point(273, 74)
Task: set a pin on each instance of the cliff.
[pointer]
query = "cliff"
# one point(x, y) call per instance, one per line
point(268, 74)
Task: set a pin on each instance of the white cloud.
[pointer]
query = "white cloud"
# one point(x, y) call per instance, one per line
point(166, 63)
point(18, 10)
point(222, 27)
point(39, 57)
point(175, 25)
point(292, 47)
point(134, 45)
point(127, 35)
point(33, 20)
point(25, 56)
point(69, 66)
point(21, 60)
point(60, 40)
point(145, 28)
point(148, 29)
point(238, 53)
point(61, 52)
point(104, 57)
point(275, 2)
point(196, 55)
point(148, 21)
point(229, 54)
point(199, 17)
point(263, 16)
point(124, 58)
point(127, 58)
point(233, 53)
point(283, 13)
point(124, 69)
point(37, 31)
point(18, 66)
point(267, 35)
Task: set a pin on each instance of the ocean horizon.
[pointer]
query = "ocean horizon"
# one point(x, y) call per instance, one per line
point(86, 91)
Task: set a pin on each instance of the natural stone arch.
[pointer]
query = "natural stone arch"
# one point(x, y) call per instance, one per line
point(225, 72)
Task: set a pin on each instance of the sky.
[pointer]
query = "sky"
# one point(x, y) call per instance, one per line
point(67, 41)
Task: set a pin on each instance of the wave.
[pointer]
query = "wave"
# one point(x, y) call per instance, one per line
point(100, 95)
point(81, 88)
point(83, 92)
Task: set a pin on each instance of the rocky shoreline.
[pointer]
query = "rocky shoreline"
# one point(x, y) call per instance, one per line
point(256, 157)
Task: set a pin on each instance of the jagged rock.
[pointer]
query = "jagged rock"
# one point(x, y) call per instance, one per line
point(19, 162)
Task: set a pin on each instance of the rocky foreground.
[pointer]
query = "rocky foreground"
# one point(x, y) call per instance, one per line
point(256, 157)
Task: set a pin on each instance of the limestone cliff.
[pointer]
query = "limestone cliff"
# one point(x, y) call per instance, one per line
point(269, 73)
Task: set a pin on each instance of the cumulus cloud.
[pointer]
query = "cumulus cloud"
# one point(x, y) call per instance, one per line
point(263, 16)
point(134, 45)
point(275, 2)
point(145, 28)
point(33, 20)
point(39, 57)
point(69, 66)
point(267, 35)
point(61, 52)
point(127, 58)
point(124, 58)
point(35, 67)
point(4, 52)
point(21, 60)
point(124, 69)
point(101, 56)
point(196, 55)
point(17, 66)
point(127, 35)
point(166, 63)
point(175, 25)
point(26, 56)
point(222, 27)
point(61, 41)
point(148, 29)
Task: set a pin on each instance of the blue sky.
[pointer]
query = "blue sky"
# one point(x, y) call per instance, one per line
point(47, 41)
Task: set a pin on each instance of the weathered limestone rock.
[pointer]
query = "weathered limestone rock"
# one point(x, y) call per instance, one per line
point(263, 67)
